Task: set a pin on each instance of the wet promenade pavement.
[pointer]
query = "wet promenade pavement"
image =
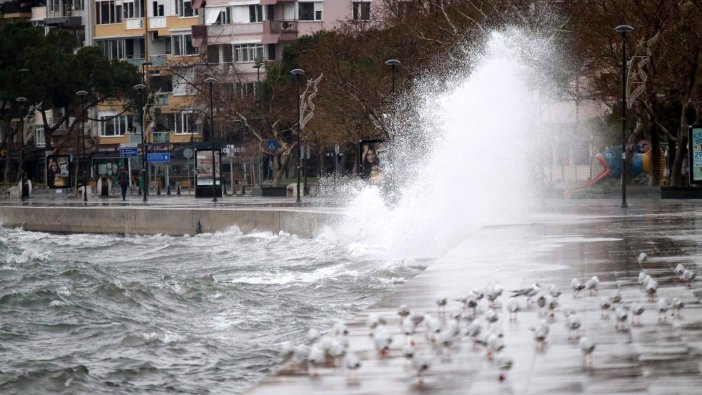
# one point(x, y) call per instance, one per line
point(575, 239)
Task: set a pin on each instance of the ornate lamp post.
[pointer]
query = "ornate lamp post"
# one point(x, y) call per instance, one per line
point(257, 66)
point(623, 30)
point(82, 95)
point(22, 100)
point(394, 64)
point(211, 81)
point(144, 151)
point(297, 73)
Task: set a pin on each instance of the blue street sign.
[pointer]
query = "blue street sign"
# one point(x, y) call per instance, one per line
point(158, 157)
point(128, 152)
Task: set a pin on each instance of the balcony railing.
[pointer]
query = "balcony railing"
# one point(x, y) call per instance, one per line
point(278, 27)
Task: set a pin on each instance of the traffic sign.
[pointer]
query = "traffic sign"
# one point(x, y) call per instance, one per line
point(128, 152)
point(158, 157)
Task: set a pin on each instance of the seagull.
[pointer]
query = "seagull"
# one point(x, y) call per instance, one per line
point(286, 351)
point(677, 305)
point(540, 335)
point(353, 363)
point(493, 293)
point(642, 257)
point(408, 328)
point(504, 363)
point(621, 315)
point(573, 323)
point(441, 302)
point(554, 291)
point(473, 330)
point(470, 302)
point(651, 288)
point(591, 284)
point(416, 318)
point(313, 335)
point(637, 310)
point(663, 307)
point(421, 364)
point(541, 302)
point(495, 344)
point(643, 277)
point(528, 292)
point(491, 316)
point(513, 308)
point(403, 311)
point(679, 269)
point(617, 298)
point(382, 340)
point(340, 329)
point(568, 311)
point(587, 347)
point(374, 320)
point(576, 286)
point(316, 359)
point(688, 275)
point(605, 305)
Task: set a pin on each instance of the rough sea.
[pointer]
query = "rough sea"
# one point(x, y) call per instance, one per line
point(90, 314)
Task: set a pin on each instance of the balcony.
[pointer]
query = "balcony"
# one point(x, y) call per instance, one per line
point(224, 34)
point(275, 31)
point(160, 137)
point(274, 2)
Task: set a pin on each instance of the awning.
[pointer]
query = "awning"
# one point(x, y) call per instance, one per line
point(198, 4)
point(270, 38)
point(212, 13)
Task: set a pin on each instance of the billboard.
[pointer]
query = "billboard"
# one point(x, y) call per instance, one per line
point(373, 157)
point(204, 171)
point(695, 155)
point(58, 171)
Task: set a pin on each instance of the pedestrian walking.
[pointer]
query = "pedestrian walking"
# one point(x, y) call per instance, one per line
point(123, 182)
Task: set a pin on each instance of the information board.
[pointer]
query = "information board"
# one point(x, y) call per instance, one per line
point(696, 155)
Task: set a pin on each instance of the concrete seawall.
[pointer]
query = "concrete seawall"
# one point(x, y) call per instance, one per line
point(164, 220)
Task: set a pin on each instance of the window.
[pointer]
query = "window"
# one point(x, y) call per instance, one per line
point(248, 52)
point(184, 122)
point(310, 11)
point(271, 51)
point(213, 54)
point(108, 12)
point(245, 89)
point(78, 5)
point(158, 9)
point(183, 45)
point(361, 10)
point(132, 9)
point(122, 48)
point(255, 13)
point(184, 8)
point(224, 17)
point(39, 140)
point(115, 125)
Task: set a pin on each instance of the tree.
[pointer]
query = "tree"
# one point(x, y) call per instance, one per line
point(56, 73)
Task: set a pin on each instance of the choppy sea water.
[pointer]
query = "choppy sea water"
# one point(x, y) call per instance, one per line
point(86, 313)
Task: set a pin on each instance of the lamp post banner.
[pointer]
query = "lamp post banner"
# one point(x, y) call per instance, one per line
point(373, 157)
point(696, 155)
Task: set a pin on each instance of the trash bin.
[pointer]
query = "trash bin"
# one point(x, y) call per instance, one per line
point(105, 188)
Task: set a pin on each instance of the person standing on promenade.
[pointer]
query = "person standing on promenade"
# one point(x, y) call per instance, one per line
point(123, 182)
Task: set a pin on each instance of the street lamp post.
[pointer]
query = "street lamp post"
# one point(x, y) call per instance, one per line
point(394, 64)
point(623, 30)
point(144, 68)
point(82, 95)
point(297, 73)
point(257, 66)
point(211, 81)
point(144, 151)
point(22, 100)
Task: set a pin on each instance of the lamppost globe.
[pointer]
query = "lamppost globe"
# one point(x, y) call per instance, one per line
point(210, 81)
point(623, 30)
point(144, 152)
point(394, 64)
point(297, 73)
point(82, 95)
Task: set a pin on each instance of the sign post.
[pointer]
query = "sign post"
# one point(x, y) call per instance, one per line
point(695, 160)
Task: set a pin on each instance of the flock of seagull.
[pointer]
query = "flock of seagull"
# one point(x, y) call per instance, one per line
point(477, 317)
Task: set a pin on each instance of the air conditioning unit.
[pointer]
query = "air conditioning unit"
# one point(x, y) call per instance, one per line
point(287, 26)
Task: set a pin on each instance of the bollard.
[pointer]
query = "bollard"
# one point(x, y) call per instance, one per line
point(178, 189)
point(168, 189)
point(224, 189)
point(158, 189)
